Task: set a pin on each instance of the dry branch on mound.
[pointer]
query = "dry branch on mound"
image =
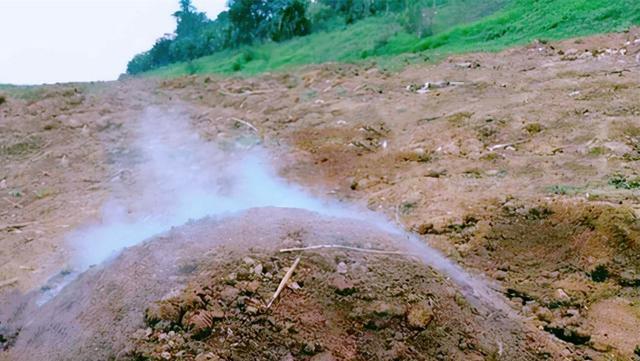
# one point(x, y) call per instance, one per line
point(336, 246)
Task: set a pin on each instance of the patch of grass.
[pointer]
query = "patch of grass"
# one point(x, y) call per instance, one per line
point(490, 157)
point(23, 147)
point(596, 151)
point(458, 118)
point(407, 207)
point(44, 193)
point(473, 173)
point(600, 273)
point(561, 189)
point(383, 40)
point(622, 182)
point(533, 128)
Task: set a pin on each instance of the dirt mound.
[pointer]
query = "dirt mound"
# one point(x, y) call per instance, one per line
point(382, 306)
point(338, 306)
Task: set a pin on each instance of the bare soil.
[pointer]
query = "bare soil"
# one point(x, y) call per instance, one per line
point(522, 167)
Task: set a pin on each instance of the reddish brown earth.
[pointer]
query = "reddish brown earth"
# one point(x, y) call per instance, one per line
point(228, 269)
point(524, 169)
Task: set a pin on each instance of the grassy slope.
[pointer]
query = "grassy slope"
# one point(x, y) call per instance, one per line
point(384, 41)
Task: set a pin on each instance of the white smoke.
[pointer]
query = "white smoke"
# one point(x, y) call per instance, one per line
point(176, 176)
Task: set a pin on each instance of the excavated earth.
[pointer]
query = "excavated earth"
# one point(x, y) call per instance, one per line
point(521, 166)
point(204, 287)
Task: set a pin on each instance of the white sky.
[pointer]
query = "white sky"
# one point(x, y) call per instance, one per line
point(48, 41)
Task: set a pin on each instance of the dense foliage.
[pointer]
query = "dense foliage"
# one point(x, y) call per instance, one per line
point(253, 21)
point(392, 33)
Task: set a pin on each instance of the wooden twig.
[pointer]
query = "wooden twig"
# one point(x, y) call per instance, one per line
point(246, 123)
point(325, 246)
point(8, 282)
point(248, 92)
point(505, 145)
point(284, 281)
point(15, 226)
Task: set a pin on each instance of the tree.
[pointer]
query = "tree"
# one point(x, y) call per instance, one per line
point(190, 22)
point(291, 21)
point(250, 20)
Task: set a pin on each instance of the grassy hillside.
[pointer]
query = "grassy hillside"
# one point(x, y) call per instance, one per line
point(383, 40)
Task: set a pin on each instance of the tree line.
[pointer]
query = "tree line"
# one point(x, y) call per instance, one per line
point(252, 21)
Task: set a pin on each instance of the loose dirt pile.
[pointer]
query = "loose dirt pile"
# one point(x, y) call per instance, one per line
point(341, 304)
point(338, 306)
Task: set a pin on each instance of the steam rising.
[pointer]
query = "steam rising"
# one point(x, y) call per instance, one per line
point(175, 176)
point(170, 176)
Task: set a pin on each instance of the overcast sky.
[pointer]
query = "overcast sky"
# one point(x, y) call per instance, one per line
point(48, 41)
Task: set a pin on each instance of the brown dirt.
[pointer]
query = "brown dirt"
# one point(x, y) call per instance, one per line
point(555, 204)
point(361, 314)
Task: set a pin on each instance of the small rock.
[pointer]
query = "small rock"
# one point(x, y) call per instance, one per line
point(309, 348)
point(162, 311)
point(425, 228)
point(252, 287)
point(342, 285)
point(462, 345)
point(600, 347)
point(229, 294)
point(420, 316)
point(572, 312)
point(561, 296)
point(215, 311)
point(165, 355)
point(544, 314)
point(64, 161)
point(501, 275)
point(258, 269)
point(248, 261)
point(209, 356)
point(342, 268)
point(251, 310)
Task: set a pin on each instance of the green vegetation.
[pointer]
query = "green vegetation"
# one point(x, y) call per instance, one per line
point(621, 182)
point(391, 38)
point(262, 24)
point(563, 189)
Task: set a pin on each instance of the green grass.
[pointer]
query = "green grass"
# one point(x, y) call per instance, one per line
point(384, 41)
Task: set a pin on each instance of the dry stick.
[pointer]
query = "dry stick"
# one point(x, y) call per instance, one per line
point(505, 145)
point(9, 282)
point(15, 226)
point(325, 246)
point(248, 92)
point(246, 123)
point(284, 281)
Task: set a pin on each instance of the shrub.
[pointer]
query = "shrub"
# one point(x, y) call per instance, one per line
point(600, 274)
